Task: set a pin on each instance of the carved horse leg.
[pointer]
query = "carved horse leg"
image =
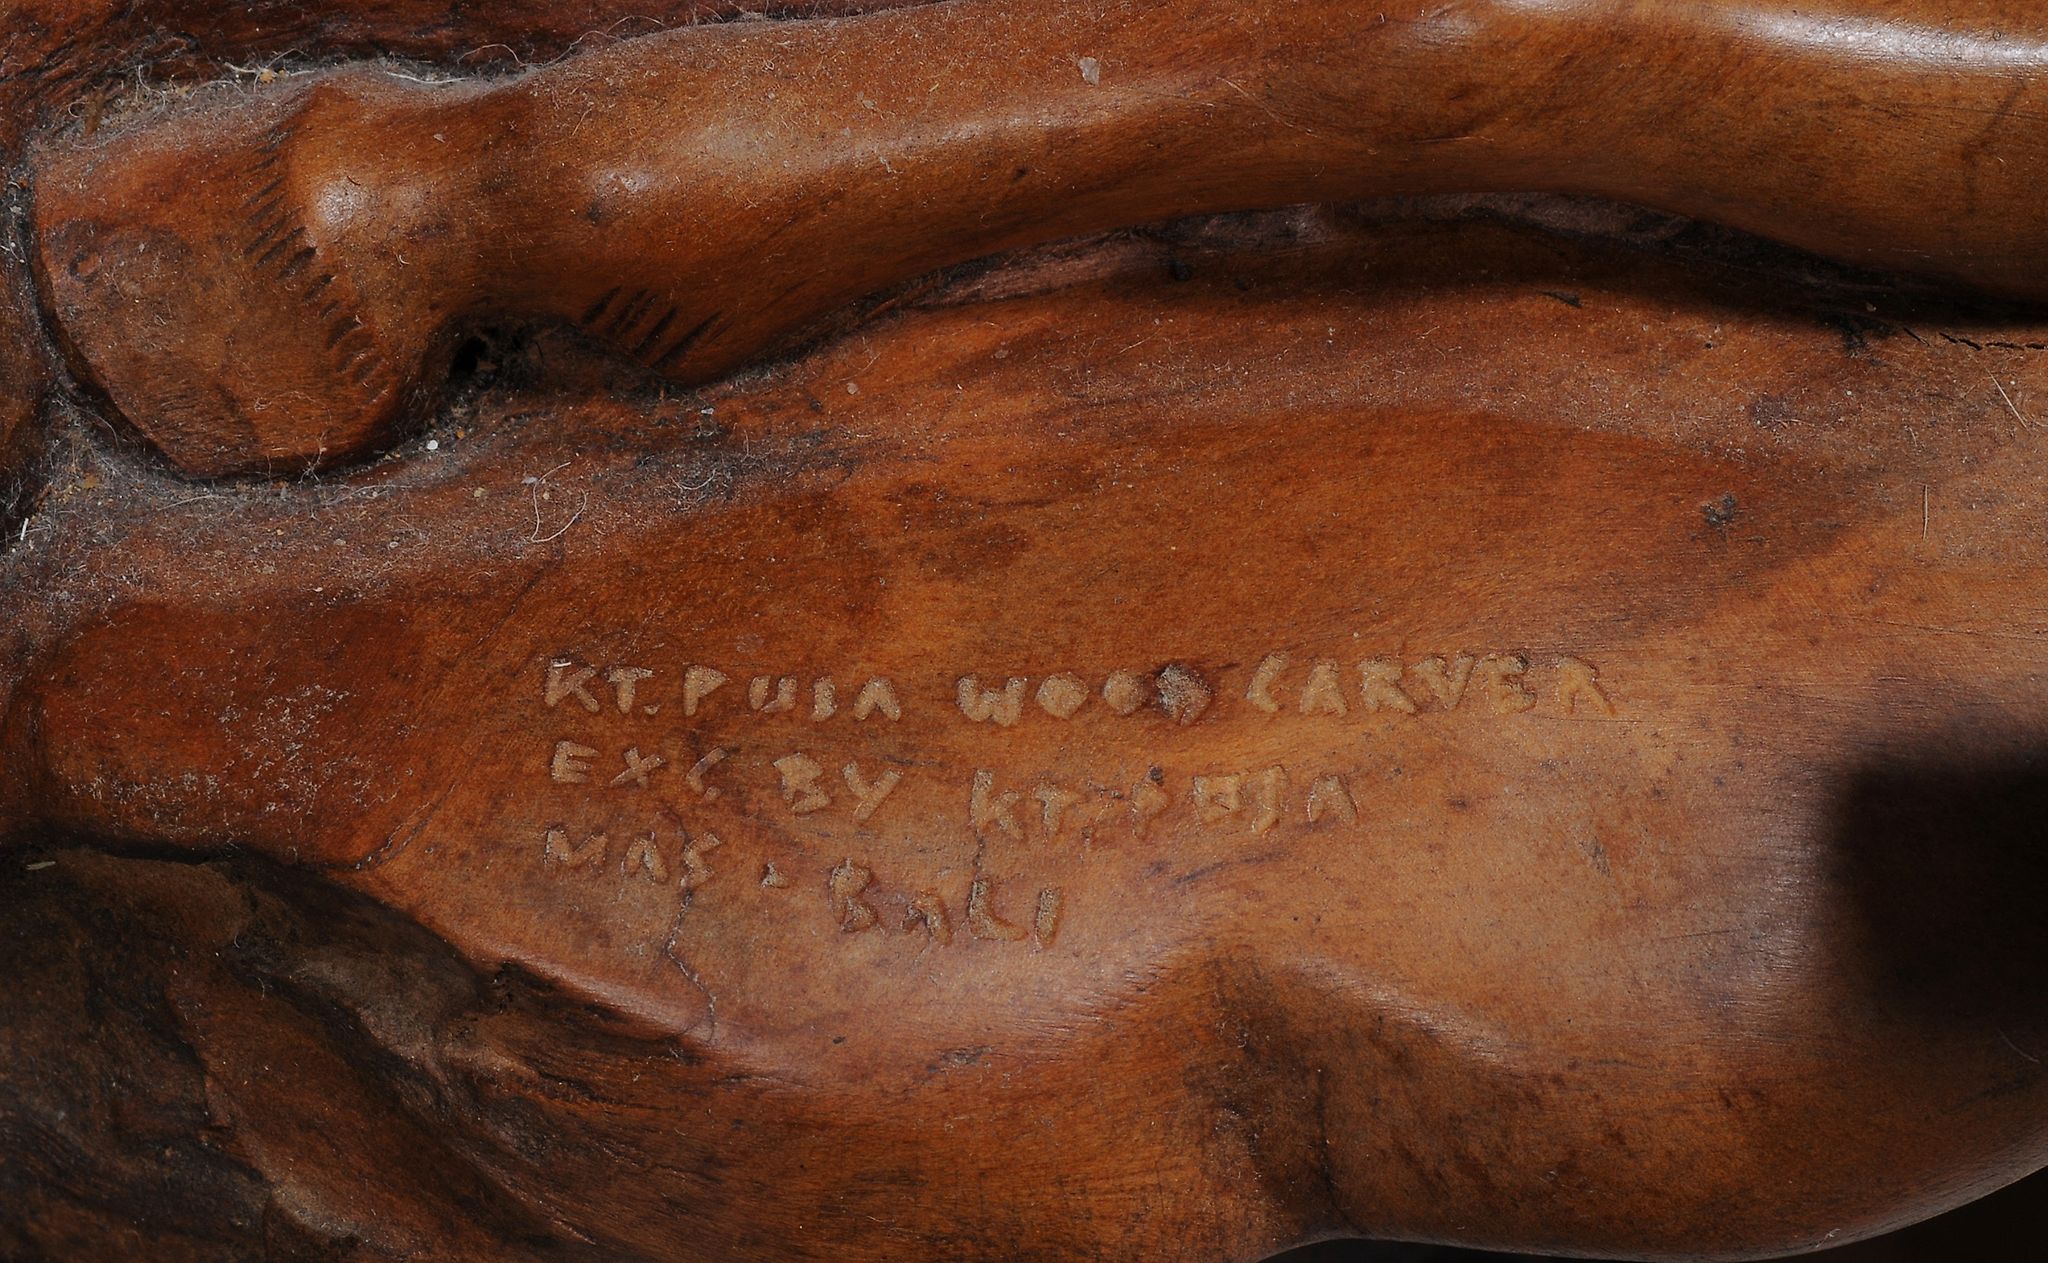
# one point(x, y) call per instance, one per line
point(64, 56)
point(693, 198)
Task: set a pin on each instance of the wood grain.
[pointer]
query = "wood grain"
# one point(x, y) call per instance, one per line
point(1513, 722)
point(279, 279)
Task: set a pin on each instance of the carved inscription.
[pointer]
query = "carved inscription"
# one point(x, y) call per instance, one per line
point(696, 871)
point(801, 784)
point(770, 696)
point(928, 912)
point(1330, 796)
point(1278, 687)
point(1379, 687)
point(1045, 921)
point(987, 809)
point(699, 683)
point(1183, 694)
point(570, 854)
point(1260, 691)
point(1578, 689)
point(638, 768)
point(1324, 692)
point(877, 697)
point(1445, 678)
point(1124, 692)
point(852, 900)
point(571, 764)
point(644, 858)
point(702, 768)
point(1278, 684)
point(869, 795)
point(1062, 695)
point(845, 886)
point(632, 733)
point(982, 920)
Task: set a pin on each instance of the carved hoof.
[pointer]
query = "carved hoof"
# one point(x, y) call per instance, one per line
point(209, 274)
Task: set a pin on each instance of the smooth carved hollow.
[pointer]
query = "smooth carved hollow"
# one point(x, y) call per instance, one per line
point(277, 284)
point(1525, 796)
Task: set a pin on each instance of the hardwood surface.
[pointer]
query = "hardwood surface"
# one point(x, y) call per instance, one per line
point(1509, 721)
point(278, 276)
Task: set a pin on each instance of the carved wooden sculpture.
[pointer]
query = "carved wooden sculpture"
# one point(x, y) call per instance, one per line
point(279, 283)
point(1276, 726)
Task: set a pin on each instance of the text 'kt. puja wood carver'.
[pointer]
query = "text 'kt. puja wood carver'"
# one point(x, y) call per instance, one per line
point(938, 631)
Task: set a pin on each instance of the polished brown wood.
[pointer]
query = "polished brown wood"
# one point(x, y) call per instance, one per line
point(1509, 721)
point(277, 281)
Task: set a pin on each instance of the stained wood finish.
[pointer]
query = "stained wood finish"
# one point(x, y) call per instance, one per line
point(1502, 723)
point(65, 63)
point(278, 282)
